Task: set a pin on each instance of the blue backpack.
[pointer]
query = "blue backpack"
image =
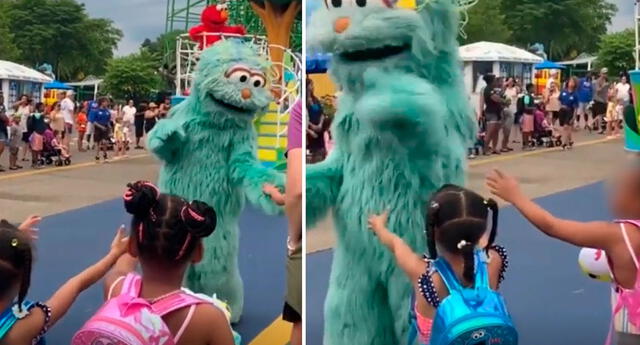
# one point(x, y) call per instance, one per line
point(470, 316)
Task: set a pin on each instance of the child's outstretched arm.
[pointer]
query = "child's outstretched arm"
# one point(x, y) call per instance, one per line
point(411, 263)
point(125, 265)
point(599, 235)
point(31, 326)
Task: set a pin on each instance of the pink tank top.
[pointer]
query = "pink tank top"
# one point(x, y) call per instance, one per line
point(626, 302)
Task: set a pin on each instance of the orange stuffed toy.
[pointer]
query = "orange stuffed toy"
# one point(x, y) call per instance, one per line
point(214, 20)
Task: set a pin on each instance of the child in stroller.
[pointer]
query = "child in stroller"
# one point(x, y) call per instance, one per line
point(543, 134)
point(53, 152)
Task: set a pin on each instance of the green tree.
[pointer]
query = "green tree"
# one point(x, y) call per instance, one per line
point(8, 49)
point(162, 52)
point(616, 52)
point(566, 27)
point(486, 23)
point(61, 33)
point(131, 77)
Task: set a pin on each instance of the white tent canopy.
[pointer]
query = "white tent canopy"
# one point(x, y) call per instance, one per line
point(490, 51)
point(13, 71)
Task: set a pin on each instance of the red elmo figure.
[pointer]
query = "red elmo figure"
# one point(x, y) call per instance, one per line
point(214, 20)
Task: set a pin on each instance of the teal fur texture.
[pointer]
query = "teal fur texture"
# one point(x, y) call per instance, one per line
point(401, 131)
point(208, 150)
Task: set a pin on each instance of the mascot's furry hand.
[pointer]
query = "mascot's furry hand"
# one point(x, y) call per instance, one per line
point(254, 177)
point(404, 99)
point(403, 106)
point(165, 139)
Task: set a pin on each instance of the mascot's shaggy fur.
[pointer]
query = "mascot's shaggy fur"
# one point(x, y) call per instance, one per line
point(401, 131)
point(208, 148)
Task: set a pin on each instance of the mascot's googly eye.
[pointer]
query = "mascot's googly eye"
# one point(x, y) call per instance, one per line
point(239, 74)
point(219, 7)
point(375, 3)
point(258, 81)
point(477, 335)
point(335, 3)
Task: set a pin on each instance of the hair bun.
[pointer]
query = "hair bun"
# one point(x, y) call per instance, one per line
point(199, 218)
point(140, 197)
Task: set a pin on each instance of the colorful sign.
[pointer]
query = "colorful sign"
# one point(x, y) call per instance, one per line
point(631, 124)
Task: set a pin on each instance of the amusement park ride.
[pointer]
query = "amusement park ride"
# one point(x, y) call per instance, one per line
point(286, 74)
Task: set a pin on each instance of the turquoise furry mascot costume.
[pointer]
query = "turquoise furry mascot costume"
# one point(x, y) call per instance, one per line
point(401, 131)
point(208, 149)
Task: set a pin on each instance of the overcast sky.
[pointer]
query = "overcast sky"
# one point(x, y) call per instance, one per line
point(140, 19)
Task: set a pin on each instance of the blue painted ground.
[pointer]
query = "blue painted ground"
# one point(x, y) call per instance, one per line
point(551, 301)
point(71, 241)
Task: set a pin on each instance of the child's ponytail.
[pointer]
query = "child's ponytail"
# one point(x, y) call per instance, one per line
point(16, 259)
point(469, 268)
point(493, 206)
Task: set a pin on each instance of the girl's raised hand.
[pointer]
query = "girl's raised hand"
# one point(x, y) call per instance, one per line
point(120, 243)
point(378, 223)
point(30, 226)
point(503, 186)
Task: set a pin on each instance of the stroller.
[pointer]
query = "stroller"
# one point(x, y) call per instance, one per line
point(543, 135)
point(51, 154)
point(478, 146)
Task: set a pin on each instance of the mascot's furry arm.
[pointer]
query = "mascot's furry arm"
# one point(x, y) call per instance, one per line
point(247, 171)
point(323, 181)
point(401, 105)
point(166, 139)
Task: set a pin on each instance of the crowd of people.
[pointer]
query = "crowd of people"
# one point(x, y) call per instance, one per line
point(508, 111)
point(32, 132)
point(318, 127)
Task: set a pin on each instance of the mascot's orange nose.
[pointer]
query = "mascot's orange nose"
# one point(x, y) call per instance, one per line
point(245, 93)
point(224, 15)
point(341, 24)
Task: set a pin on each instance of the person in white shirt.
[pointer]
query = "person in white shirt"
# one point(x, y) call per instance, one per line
point(67, 108)
point(623, 91)
point(128, 117)
point(22, 108)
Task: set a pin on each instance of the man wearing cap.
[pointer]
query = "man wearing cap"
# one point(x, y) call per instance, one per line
point(67, 107)
point(600, 98)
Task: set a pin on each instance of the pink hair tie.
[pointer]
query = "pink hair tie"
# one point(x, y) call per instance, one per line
point(149, 184)
point(140, 233)
point(128, 195)
point(191, 212)
point(184, 246)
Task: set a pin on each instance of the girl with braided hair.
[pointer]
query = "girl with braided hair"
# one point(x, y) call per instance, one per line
point(456, 233)
point(26, 322)
point(166, 238)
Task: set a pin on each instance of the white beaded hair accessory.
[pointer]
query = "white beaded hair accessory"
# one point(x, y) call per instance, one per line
point(462, 243)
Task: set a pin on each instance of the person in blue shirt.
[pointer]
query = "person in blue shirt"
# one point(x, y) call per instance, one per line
point(100, 118)
point(585, 96)
point(569, 101)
